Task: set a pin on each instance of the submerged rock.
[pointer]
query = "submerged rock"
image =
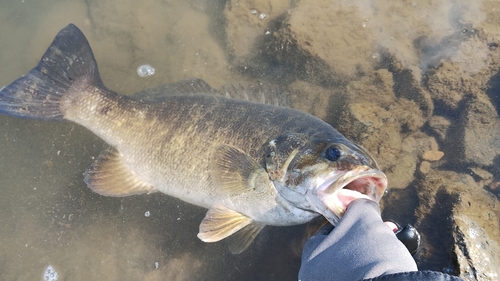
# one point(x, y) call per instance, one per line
point(402, 173)
point(407, 86)
point(324, 103)
point(409, 115)
point(459, 224)
point(376, 87)
point(465, 74)
point(439, 126)
point(432, 155)
point(425, 167)
point(374, 128)
point(320, 56)
point(477, 138)
point(446, 86)
point(477, 258)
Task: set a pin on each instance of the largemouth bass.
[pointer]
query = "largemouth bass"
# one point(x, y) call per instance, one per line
point(250, 164)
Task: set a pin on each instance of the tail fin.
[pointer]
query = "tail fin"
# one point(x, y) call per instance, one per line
point(38, 94)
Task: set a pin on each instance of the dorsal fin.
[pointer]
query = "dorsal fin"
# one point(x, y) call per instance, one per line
point(110, 176)
point(190, 86)
point(262, 93)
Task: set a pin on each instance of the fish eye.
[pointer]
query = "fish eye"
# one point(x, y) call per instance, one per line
point(333, 153)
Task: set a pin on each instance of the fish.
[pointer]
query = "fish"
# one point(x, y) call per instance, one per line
point(251, 164)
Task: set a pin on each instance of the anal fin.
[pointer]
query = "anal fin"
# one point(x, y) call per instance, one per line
point(220, 222)
point(110, 176)
point(240, 241)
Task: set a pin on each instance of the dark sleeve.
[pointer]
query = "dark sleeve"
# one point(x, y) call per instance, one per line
point(424, 275)
point(361, 246)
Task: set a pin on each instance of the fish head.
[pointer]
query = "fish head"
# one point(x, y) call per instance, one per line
point(323, 175)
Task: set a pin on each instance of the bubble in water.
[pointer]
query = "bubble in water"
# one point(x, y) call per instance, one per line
point(50, 274)
point(365, 22)
point(147, 214)
point(145, 70)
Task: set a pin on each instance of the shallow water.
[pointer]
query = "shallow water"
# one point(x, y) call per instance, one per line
point(48, 215)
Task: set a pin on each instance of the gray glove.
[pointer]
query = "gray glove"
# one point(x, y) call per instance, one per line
point(361, 246)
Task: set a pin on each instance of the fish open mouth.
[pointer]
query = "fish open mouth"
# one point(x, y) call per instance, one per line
point(371, 183)
point(341, 188)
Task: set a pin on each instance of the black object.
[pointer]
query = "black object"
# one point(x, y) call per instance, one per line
point(409, 236)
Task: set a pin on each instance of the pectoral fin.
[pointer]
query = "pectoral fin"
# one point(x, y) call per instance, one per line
point(110, 176)
point(220, 222)
point(235, 171)
point(240, 241)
